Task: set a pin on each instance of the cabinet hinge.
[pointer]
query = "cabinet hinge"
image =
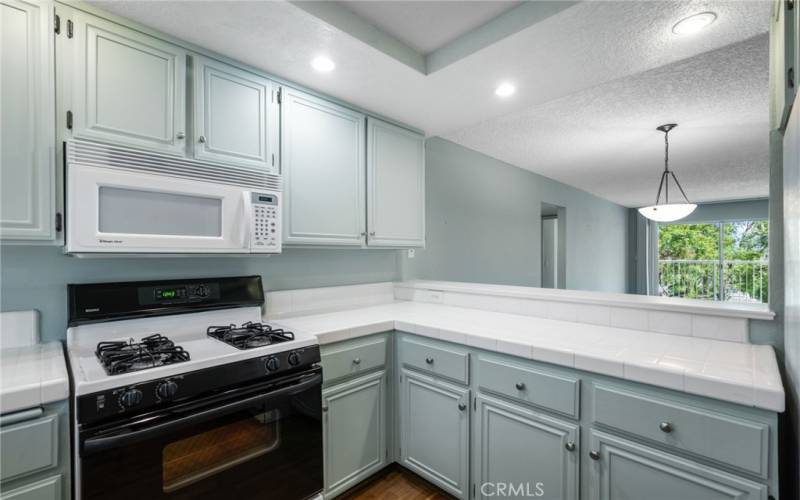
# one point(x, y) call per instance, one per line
point(69, 28)
point(57, 24)
point(473, 490)
point(475, 403)
point(280, 95)
point(790, 78)
point(69, 120)
point(58, 222)
point(273, 159)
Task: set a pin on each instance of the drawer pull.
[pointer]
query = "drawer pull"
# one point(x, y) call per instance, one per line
point(665, 427)
point(570, 446)
point(462, 406)
point(429, 360)
point(594, 455)
point(520, 386)
point(357, 361)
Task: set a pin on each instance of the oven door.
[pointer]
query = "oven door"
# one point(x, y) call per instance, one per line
point(114, 210)
point(259, 443)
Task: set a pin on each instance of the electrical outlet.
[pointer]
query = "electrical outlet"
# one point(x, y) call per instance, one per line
point(411, 253)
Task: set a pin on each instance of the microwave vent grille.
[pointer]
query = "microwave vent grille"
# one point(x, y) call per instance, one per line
point(97, 154)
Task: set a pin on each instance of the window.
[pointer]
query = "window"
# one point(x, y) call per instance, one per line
point(715, 261)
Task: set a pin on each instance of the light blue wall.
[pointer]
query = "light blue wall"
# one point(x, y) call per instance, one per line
point(730, 211)
point(483, 225)
point(37, 277)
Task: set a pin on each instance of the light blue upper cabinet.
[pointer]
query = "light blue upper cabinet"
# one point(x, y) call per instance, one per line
point(534, 455)
point(354, 431)
point(395, 186)
point(127, 87)
point(622, 470)
point(234, 115)
point(322, 148)
point(27, 168)
point(434, 431)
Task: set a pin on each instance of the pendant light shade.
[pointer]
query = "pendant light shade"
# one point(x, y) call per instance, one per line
point(666, 211)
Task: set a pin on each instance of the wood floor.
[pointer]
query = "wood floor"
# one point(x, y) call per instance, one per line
point(396, 483)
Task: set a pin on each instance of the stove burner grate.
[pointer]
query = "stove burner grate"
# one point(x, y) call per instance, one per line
point(250, 335)
point(123, 357)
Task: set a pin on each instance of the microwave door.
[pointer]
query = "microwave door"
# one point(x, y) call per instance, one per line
point(112, 210)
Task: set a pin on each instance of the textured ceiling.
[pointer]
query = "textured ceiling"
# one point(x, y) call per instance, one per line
point(427, 26)
point(590, 55)
point(603, 139)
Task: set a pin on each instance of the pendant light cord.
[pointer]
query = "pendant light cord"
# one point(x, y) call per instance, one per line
point(664, 184)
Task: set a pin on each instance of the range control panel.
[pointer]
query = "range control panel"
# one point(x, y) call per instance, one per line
point(265, 217)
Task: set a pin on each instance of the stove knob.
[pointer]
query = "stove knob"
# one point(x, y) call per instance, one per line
point(273, 364)
point(294, 358)
point(167, 390)
point(201, 291)
point(130, 398)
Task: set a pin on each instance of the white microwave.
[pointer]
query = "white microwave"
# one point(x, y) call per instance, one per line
point(126, 201)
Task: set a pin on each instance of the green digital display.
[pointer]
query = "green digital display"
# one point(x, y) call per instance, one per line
point(168, 294)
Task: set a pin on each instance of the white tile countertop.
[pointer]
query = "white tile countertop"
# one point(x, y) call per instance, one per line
point(32, 375)
point(731, 371)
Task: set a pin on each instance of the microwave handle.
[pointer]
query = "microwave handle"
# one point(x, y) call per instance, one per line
point(247, 227)
point(98, 444)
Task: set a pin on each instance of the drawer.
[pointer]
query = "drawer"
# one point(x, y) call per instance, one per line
point(726, 439)
point(46, 489)
point(29, 446)
point(436, 359)
point(353, 358)
point(527, 385)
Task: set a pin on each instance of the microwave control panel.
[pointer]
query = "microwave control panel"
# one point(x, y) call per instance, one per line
point(265, 228)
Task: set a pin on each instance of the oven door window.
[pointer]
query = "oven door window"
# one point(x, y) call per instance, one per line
point(203, 455)
point(271, 448)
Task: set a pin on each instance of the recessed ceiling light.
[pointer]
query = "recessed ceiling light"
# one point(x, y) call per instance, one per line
point(322, 64)
point(505, 89)
point(694, 23)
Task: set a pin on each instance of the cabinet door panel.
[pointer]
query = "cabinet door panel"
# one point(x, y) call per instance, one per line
point(628, 470)
point(322, 148)
point(354, 432)
point(435, 432)
point(231, 114)
point(27, 173)
point(129, 87)
point(396, 185)
point(522, 453)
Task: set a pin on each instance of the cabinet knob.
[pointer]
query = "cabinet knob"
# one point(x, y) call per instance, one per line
point(180, 135)
point(665, 427)
point(325, 408)
point(202, 138)
point(357, 361)
point(594, 455)
point(520, 386)
point(429, 360)
point(363, 233)
point(570, 446)
point(372, 233)
point(462, 406)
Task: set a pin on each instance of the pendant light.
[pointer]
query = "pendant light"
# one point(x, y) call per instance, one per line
point(666, 211)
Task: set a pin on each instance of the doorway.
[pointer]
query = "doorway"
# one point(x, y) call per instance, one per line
point(553, 238)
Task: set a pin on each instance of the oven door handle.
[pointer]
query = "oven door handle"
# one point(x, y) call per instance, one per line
point(98, 444)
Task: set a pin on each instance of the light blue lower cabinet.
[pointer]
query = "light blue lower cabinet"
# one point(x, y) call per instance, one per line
point(354, 431)
point(519, 453)
point(434, 431)
point(624, 470)
point(46, 489)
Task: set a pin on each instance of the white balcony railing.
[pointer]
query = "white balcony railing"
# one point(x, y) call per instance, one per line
point(729, 280)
